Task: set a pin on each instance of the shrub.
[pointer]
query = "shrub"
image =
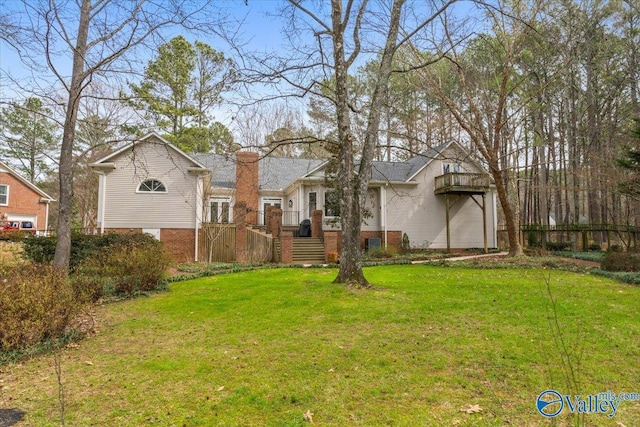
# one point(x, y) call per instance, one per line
point(37, 303)
point(558, 246)
point(41, 249)
point(615, 248)
point(594, 247)
point(406, 243)
point(621, 261)
point(134, 264)
point(382, 252)
point(13, 235)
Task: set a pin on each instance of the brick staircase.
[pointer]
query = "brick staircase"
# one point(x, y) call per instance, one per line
point(306, 250)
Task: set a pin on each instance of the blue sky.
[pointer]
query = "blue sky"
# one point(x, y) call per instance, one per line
point(262, 31)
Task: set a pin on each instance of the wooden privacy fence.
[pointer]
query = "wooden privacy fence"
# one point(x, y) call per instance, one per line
point(577, 236)
point(218, 242)
point(259, 246)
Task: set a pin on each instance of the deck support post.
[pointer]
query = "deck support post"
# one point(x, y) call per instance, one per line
point(484, 223)
point(446, 203)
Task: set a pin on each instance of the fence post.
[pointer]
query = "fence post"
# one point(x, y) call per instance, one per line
point(316, 224)
point(274, 221)
point(286, 247)
point(240, 214)
point(331, 246)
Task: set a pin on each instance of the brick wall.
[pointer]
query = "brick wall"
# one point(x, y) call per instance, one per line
point(179, 242)
point(247, 184)
point(22, 200)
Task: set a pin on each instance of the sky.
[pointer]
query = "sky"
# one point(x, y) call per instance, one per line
point(260, 29)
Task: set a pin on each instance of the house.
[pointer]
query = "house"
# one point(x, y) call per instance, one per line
point(440, 199)
point(22, 201)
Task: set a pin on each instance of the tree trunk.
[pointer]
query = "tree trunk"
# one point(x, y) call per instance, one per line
point(63, 246)
point(355, 184)
point(515, 248)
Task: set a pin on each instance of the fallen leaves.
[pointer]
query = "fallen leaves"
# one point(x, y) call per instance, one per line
point(308, 416)
point(472, 409)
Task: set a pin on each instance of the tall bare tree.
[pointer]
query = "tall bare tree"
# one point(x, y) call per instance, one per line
point(88, 40)
point(345, 34)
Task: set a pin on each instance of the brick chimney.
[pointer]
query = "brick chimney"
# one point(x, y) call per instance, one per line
point(247, 184)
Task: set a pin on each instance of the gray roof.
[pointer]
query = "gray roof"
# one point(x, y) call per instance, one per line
point(276, 173)
point(403, 171)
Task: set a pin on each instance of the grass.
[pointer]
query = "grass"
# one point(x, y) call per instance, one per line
point(262, 348)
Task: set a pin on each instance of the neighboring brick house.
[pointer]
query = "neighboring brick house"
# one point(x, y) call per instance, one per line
point(20, 200)
point(152, 186)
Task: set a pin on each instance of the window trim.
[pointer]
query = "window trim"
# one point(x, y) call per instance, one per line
point(139, 191)
point(221, 199)
point(6, 203)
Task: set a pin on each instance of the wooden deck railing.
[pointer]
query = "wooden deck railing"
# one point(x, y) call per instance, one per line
point(473, 182)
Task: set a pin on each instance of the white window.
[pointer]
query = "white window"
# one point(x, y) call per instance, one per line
point(451, 168)
point(266, 201)
point(313, 201)
point(220, 209)
point(152, 186)
point(4, 195)
point(331, 203)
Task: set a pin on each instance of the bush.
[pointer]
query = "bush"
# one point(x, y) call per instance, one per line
point(41, 249)
point(14, 235)
point(558, 246)
point(382, 252)
point(406, 243)
point(621, 261)
point(129, 266)
point(37, 303)
point(615, 248)
point(594, 247)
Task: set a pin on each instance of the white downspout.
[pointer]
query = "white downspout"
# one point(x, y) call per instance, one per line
point(199, 204)
point(102, 199)
point(46, 218)
point(383, 211)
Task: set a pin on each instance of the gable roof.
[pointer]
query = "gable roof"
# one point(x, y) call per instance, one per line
point(275, 173)
point(104, 162)
point(47, 198)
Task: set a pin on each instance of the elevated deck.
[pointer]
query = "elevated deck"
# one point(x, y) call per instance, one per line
point(462, 183)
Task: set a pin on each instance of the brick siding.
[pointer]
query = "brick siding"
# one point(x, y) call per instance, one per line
point(23, 200)
point(179, 242)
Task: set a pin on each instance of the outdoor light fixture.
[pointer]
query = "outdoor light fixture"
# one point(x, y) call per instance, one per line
point(290, 203)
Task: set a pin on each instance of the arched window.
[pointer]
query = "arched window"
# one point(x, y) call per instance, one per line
point(152, 186)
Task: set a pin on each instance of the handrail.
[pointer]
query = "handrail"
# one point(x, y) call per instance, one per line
point(456, 179)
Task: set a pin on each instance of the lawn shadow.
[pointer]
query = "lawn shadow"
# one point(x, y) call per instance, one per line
point(9, 417)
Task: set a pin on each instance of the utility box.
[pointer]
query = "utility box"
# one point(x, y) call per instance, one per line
point(372, 243)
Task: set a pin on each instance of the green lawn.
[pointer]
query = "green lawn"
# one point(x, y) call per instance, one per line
point(264, 347)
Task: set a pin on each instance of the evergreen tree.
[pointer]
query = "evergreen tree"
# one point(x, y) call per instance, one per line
point(28, 138)
point(180, 87)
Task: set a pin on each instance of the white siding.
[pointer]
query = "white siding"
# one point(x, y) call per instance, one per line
point(420, 214)
point(127, 208)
